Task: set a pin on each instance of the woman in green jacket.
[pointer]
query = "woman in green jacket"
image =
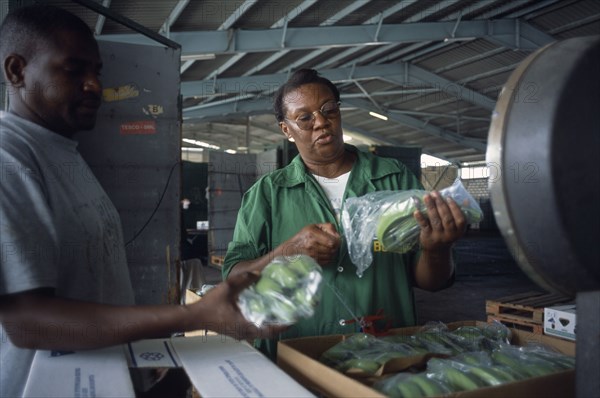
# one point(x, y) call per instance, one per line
point(295, 210)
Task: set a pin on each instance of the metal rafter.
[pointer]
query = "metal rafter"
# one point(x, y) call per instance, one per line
point(228, 23)
point(351, 51)
point(330, 21)
point(165, 29)
point(267, 40)
point(101, 19)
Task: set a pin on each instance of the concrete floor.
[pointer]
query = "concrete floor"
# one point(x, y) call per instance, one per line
point(485, 271)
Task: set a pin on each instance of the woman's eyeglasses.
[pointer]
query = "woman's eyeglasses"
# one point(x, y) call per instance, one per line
point(306, 121)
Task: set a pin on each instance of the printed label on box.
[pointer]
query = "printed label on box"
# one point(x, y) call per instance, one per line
point(560, 321)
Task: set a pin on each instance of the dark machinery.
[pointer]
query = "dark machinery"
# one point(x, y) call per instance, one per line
point(543, 150)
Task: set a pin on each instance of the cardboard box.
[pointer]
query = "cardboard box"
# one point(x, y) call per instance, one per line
point(216, 365)
point(561, 321)
point(219, 366)
point(300, 358)
point(94, 373)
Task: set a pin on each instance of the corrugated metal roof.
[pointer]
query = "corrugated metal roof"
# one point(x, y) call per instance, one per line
point(437, 84)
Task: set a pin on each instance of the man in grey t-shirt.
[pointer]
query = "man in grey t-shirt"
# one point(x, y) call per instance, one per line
point(62, 259)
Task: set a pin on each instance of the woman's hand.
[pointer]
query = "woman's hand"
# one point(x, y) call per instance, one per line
point(319, 241)
point(445, 222)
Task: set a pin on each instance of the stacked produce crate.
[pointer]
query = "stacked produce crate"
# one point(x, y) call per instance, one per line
point(524, 311)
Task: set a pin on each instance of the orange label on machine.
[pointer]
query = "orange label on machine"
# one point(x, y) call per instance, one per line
point(140, 127)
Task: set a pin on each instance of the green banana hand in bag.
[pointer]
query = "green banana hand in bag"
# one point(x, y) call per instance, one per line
point(388, 216)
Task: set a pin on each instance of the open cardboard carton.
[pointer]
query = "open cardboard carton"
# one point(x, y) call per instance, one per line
point(216, 365)
point(300, 358)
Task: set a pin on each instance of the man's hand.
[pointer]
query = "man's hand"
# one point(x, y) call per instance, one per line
point(218, 310)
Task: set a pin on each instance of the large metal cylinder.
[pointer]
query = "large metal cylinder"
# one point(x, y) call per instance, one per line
point(543, 150)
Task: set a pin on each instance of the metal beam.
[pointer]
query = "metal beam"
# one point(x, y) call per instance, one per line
point(101, 19)
point(395, 73)
point(269, 83)
point(330, 21)
point(422, 126)
point(147, 33)
point(268, 40)
point(237, 14)
point(416, 18)
point(165, 29)
point(458, 91)
point(232, 108)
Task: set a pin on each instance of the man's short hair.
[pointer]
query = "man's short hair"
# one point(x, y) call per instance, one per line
point(26, 29)
point(300, 78)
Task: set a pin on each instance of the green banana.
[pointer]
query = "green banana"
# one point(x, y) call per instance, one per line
point(468, 331)
point(452, 342)
point(538, 369)
point(501, 358)
point(282, 275)
point(431, 387)
point(498, 332)
point(407, 389)
point(366, 366)
point(507, 374)
point(433, 343)
point(301, 266)
point(288, 289)
point(461, 381)
point(397, 229)
point(530, 368)
point(256, 306)
point(267, 286)
point(487, 375)
point(472, 215)
point(473, 358)
point(559, 361)
point(396, 225)
point(284, 310)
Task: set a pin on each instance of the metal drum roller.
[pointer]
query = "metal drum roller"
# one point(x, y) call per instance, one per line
point(542, 154)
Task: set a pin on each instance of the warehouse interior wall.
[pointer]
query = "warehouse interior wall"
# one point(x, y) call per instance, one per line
point(135, 152)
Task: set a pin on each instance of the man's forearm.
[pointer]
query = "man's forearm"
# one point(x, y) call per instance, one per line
point(53, 323)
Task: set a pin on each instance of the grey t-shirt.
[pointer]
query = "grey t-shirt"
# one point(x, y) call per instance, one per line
point(58, 229)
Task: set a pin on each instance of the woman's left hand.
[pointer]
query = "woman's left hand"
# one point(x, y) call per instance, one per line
point(445, 222)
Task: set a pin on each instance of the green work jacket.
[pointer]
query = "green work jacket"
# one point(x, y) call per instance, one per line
point(281, 203)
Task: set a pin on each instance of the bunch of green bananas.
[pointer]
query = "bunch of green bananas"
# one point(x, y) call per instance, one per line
point(474, 370)
point(531, 362)
point(504, 365)
point(397, 229)
point(440, 340)
point(363, 355)
point(466, 358)
point(412, 386)
point(470, 372)
point(288, 290)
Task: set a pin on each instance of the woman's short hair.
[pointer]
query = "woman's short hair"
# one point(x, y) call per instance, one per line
point(299, 78)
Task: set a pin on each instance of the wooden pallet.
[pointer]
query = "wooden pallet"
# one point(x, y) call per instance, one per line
point(527, 326)
point(524, 311)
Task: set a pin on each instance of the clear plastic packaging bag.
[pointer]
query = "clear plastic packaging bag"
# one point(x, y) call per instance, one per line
point(289, 289)
point(388, 216)
point(410, 385)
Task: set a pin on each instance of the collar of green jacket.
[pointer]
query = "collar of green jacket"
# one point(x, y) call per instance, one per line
point(371, 167)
